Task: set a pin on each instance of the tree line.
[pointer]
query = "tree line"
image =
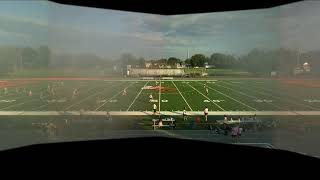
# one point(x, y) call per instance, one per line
point(17, 58)
point(257, 61)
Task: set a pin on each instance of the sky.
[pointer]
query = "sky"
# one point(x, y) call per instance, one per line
point(110, 33)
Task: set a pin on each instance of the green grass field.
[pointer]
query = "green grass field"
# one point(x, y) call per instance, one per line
point(225, 96)
point(107, 95)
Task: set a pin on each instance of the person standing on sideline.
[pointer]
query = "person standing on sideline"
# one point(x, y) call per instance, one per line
point(160, 123)
point(239, 131)
point(108, 117)
point(234, 133)
point(225, 119)
point(206, 111)
point(154, 108)
point(184, 114)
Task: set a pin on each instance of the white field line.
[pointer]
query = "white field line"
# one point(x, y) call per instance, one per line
point(32, 87)
point(273, 96)
point(207, 98)
point(19, 104)
point(134, 100)
point(169, 113)
point(71, 105)
point(232, 98)
point(79, 102)
point(21, 97)
point(40, 106)
point(241, 92)
point(113, 97)
point(182, 96)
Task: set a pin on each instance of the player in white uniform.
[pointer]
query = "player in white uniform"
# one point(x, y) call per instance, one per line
point(154, 108)
point(206, 111)
point(30, 93)
point(225, 120)
point(184, 114)
point(75, 92)
point(124, 93)
point(150, 97)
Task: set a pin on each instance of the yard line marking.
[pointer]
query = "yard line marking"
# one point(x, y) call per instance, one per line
point(39, 107)
point(207, 97)
point(232, 98)
point(182, 96)
point(19, 104)
point(113, 97)
point(22, 97)
point(86, 90)
point(240, 92)
point(25, 96)
point(79, 102)
point(290, 97)
point(31, 87)
point(134, 100)
point(274, 96)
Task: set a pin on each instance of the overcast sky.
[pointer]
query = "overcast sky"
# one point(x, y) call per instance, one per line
point(109, 33)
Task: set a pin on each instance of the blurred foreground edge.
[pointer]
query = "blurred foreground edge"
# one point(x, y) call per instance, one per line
point(156, 149)
point(166, 7)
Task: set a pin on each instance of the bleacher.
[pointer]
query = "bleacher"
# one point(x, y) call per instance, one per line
point(166, 120)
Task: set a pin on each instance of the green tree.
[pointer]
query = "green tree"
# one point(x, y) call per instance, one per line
point(220, 60)
point(29, 58)
point(187, 61)
point(8, 60)
point(44, 55)
point(173, 61)
point(141, 62)
point(197, 60)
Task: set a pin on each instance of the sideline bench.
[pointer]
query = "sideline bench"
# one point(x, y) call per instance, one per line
point(171, 120)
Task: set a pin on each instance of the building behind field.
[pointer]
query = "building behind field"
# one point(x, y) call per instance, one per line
point(139, 72)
